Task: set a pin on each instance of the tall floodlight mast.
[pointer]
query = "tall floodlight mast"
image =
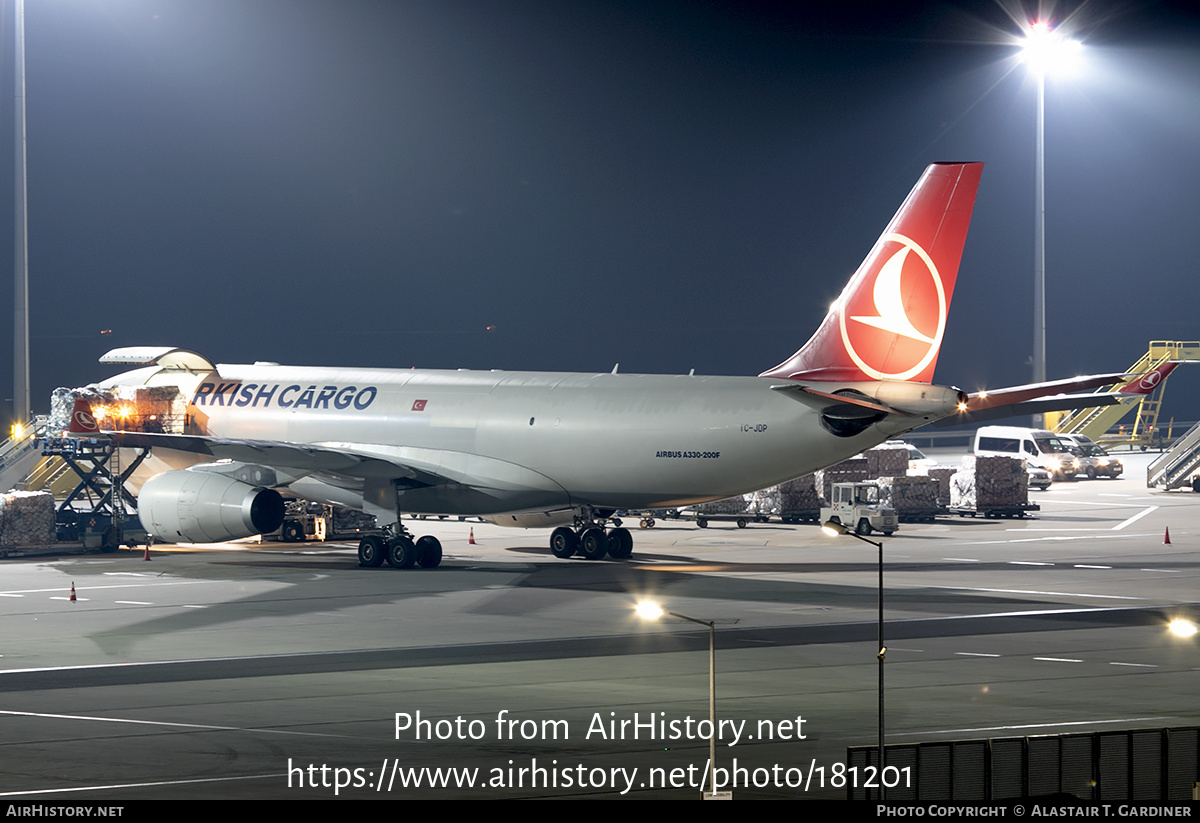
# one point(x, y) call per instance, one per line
point(21, 267)
point(1043, 49)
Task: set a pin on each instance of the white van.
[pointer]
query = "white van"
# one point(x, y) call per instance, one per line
point(1094, 460)
point(1040, 447)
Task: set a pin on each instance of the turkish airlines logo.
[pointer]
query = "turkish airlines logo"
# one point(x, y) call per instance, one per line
point(1149, 381)
point(893, 330)
point(419, 405)
point(84, 422)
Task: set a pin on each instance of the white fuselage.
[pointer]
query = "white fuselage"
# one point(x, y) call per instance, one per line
point(480, 442)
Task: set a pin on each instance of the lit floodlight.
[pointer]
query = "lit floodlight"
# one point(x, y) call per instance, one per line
point(1182, 628)
point(833, 528)
point(648, 610)
point(1045, 49)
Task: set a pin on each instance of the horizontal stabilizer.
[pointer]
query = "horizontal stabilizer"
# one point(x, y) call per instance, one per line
point(1034, 398)
point(1031, 391)
point(1060, 402)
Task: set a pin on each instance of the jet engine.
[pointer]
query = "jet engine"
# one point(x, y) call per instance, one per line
point(206, 507)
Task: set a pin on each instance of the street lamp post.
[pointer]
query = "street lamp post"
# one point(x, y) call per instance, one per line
point(1039, 237)
point(833, 528)
point(652, 611)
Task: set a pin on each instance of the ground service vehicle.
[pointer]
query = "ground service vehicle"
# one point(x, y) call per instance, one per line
point(1094, 461)
point(857, 506)
point(1042, 448)
point(1039, 478)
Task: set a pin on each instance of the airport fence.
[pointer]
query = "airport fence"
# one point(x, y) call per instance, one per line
point(1138, 765)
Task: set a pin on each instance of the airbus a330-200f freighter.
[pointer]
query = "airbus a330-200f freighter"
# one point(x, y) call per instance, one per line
point(560, 449)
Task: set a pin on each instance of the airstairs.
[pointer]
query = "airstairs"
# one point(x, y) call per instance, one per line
point(1179, 466)
point(52, 474)
point(86, 477)
point(20, 454)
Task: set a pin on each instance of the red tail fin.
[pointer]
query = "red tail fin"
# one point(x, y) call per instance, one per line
point(889, 320)
point(82, 424)
point(1149, 381)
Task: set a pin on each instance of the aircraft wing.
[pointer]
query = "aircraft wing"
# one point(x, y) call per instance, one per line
point(298, 457)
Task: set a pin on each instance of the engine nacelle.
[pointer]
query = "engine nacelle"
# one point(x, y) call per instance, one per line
point(206, 507)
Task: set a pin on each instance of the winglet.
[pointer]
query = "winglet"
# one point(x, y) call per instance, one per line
point(889, 321)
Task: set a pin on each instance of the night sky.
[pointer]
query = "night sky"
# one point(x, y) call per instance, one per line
point(569, 185)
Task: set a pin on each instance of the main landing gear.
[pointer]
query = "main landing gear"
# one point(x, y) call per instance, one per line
point(398, 548)
point(589, 539)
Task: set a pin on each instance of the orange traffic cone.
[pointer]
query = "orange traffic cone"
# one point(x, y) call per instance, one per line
point(1167, 536)
point(471, 540)
point(72, 598)
point(146, 556)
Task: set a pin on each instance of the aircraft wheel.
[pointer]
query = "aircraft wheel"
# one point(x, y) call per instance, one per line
point(864, 527)
point(563, 542)
point(620, 544)
point(401, 553)
point(370, 551)
point(888, 534)
point(109, 542)
point(593, 544)
point(429, 552)
point(1196, 484)
point(292, 532)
